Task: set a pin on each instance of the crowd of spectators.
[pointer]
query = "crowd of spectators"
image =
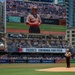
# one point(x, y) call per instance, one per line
point(14, 44)
point(45, 10)
point(18, 41)
point(33, 56)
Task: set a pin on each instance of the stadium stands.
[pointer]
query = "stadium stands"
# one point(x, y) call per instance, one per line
point(37, 43)
point(46, 10)
point(33, 56)
point(14, 41)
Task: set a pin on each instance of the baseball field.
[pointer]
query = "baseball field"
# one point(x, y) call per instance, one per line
point(31, 69)
point(21, 27)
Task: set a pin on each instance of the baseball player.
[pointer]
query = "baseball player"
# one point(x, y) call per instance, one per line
point(34, 21)
point(68, 55)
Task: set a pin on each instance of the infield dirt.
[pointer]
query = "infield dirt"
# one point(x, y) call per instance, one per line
point(57, 69)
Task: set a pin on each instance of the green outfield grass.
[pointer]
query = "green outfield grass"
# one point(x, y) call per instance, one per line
point(29, 69)
point(46, 27)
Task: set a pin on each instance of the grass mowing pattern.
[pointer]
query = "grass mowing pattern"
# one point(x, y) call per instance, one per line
point(46, 27)
point(29, 69)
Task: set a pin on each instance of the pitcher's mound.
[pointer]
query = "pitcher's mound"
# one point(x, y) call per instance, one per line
point(58, 69)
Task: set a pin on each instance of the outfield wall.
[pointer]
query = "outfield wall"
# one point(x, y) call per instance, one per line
point(19, 19)
point(31, 61)
point(35, 61)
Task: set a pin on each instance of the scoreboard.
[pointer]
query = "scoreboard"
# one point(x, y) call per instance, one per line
point(2, 17)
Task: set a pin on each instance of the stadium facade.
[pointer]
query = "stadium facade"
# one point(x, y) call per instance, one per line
point(2, 16)
point(70, 5)
point(2, 24)
point(51, 1)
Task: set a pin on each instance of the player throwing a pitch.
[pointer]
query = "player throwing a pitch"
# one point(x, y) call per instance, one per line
point(34, 21)
point(68, 55)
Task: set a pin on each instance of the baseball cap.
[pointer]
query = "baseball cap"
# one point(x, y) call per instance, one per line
point(34, 7)
point(67, 50)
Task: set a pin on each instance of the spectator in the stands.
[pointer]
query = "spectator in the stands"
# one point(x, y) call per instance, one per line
point(47, 45)
point(29, 44)
point(35, 44)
